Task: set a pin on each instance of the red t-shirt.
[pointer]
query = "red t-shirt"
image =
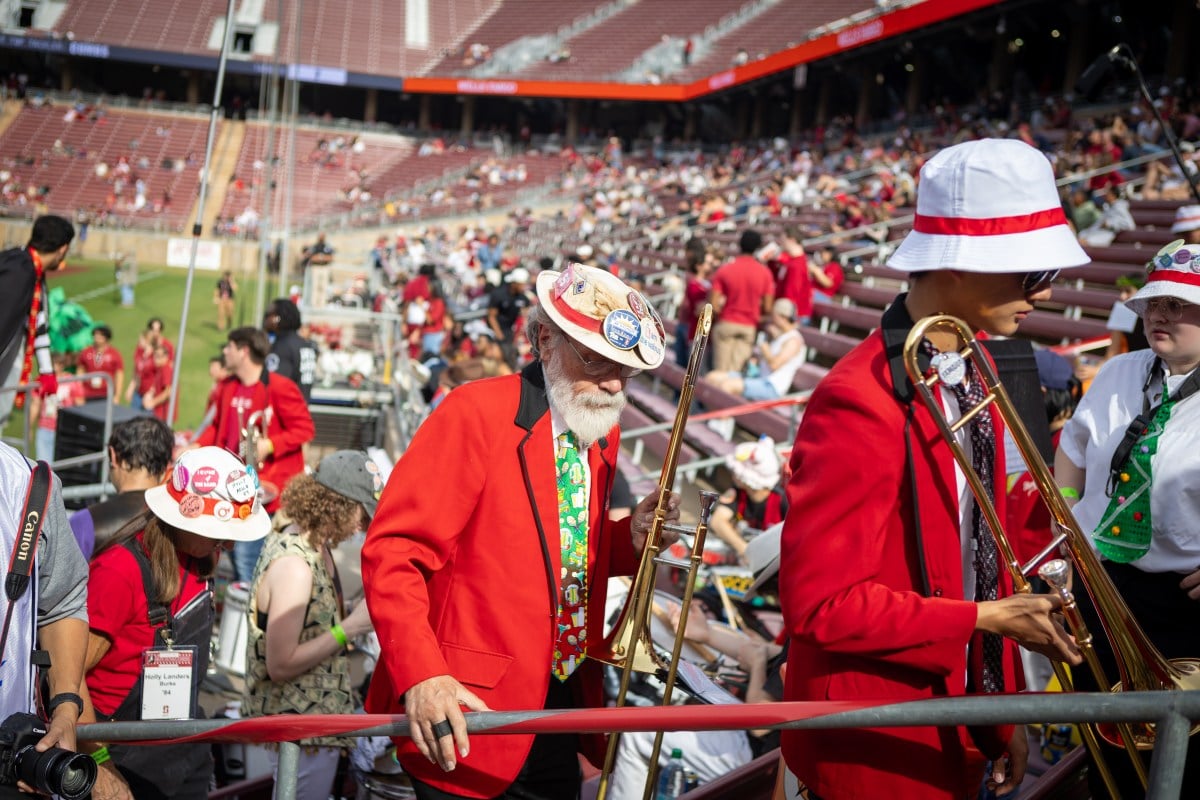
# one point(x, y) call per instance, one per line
point(744, 282)
point(795, 284)
point(160, 380)
point(92, 360)
point(694, 298)
point(68, 394)
point(117, 610)
point(418, 287)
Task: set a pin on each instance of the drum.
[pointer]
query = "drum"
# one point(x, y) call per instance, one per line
point(231, 642)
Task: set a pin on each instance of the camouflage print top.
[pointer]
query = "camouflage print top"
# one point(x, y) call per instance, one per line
point(324, 689)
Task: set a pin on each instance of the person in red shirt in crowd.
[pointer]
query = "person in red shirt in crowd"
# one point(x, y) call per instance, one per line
point(433, 332)
point(827, 275)
point(157, 396)
point(743, 290)
point(285, 426)
point(102, 357)
point(700, 264)
point(164, 560)
point(143, 361)
point(795, 276)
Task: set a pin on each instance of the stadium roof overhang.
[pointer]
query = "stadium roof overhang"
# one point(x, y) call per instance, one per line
point(886, 25)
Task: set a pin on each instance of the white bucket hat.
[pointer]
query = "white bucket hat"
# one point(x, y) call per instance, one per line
point(211, 493)
point(1187, 218)
point(991, 206)
point(1173, 272)
point(598, 310)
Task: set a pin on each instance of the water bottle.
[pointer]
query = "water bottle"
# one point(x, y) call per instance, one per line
point(672, 782)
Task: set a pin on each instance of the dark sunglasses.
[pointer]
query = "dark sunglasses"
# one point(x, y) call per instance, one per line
point(1032, 281)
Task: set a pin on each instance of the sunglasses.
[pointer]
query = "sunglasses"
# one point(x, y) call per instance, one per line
point(1033, 281)
point(1169, 307)
point(602, 367)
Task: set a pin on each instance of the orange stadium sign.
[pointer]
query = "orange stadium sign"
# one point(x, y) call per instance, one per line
point(886, 25)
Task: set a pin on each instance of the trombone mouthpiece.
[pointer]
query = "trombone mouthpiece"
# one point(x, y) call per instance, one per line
point(1057, 573)
point(708, 501)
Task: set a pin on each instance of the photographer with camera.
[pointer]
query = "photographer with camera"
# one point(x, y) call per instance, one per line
point(44, 611)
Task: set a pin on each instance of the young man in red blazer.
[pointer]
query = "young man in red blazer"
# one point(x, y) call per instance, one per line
point(253, 389)
point(484, 583)
point(890, 585)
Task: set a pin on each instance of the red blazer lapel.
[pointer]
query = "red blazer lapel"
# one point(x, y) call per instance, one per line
point(536, 455)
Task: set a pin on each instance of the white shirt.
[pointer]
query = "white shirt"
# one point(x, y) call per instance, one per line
point(1092, 435)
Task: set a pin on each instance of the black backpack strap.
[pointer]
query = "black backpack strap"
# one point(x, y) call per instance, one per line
point(20, 566)
point(159, 614)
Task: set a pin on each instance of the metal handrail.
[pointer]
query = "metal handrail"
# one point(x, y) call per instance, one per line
point(1172, 712)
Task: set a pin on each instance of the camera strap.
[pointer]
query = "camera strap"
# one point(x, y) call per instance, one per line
point(20, 567)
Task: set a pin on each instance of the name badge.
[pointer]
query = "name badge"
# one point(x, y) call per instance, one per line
point(168, 675)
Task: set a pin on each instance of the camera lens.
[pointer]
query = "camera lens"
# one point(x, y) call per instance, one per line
point(57, 771)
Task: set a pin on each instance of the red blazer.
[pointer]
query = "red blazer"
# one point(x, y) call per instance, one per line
point(461, 568)
point(289, 426)
point(873, 613)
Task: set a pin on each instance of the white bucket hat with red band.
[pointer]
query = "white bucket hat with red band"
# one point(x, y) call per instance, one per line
point(1173, 272)
point(600, 311)
point(1187, 218)
point(988, 205)
point(211, 493)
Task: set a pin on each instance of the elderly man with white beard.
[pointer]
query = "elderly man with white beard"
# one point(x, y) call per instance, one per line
point(486, 564)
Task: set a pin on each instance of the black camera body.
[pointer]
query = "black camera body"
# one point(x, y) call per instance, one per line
point(54, 771)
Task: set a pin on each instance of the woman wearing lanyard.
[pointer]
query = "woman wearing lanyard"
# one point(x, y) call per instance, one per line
point(150, 600)
point(1129, 462)
point(296, 653)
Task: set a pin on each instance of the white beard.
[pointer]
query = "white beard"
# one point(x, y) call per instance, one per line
point(589, 416)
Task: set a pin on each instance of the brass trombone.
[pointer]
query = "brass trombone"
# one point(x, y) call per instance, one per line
point(629, 646)
point(1142, 667)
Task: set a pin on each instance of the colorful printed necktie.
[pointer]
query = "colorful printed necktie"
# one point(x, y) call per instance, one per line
point(31, 331)
point(571, 646)
point(969, 394)
point(1123, 534)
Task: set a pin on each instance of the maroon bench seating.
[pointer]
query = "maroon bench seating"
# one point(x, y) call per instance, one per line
point(1149, 237)
point(1096, 301)
point(656, 443)
point(1122, 254)
point(859, 318)
point(1152, 216)
point(1101, 272)
point(830, 345)
point(1053, 325)
point(870, 296)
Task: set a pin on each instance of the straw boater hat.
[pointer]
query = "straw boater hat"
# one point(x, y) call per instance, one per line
point(1174, 272)
point(598, 310)
point(1187, 218)
point(211, 493)
point(988, 206)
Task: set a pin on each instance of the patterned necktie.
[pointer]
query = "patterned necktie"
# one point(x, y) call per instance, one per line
point(1123, 534)
point(571, 646)
point(969, 394)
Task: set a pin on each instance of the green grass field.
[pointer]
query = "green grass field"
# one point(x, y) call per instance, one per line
point(160, 293)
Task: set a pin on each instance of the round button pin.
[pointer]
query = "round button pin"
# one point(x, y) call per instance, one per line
point(650, 346)
point(205, 480)
point(950, 367)
point(191, 506)
point(622, 329)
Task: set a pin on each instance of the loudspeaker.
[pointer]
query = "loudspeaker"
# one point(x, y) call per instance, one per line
point(1018, 372)
point(80, 432)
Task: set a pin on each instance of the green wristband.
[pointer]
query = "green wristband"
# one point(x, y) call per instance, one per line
point(1068, 491)
point(339, 636)
point(101, 756)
